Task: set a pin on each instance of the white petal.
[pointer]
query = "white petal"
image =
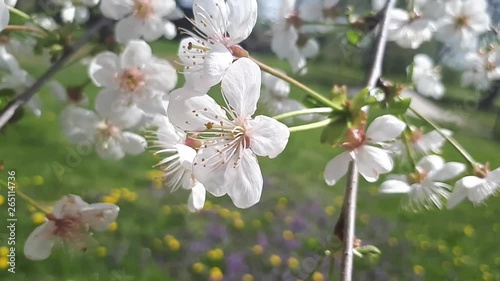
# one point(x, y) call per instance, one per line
point(35, 105)
point(154, 28)
point(242, 16)
point(241, 86)
point(186, 156)
point(58, 90)
point(39, 244)
point(394, 186)
point(162, 75)
point(79, 124)
point(128, 29)
point(372, 161)
point(430, 163)
point(448, 171)
point(136, 54)
point(212, 176)
point(110, 149)
point(132, 143)
point(4, 15)
point(69, 206)
point(100, 215)
point(337, 168)
point(170, 30)
point(460, 191)
point(210, 17)
point(82, 14)
point(384, 128)
point(216, 63)
point(245, 182)
point(494, 176)
point(68, 13)
point(193, 112)
point(268, 137)
point(197, 197)
point(103, 70)
point(116, 9)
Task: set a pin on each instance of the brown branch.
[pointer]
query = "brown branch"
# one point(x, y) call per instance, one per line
point(69, 51)
point(345, 227)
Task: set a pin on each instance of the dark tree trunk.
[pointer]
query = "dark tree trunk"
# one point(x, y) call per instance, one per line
point(487, 101)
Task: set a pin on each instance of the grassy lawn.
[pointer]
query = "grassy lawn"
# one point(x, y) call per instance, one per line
point(156, 239)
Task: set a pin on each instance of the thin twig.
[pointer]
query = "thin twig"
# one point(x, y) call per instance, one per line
point(345, 227)
point(69, 51)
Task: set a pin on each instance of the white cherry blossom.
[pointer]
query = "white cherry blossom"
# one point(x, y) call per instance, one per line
point(361, 147)
point(226, 162)
point(70, 222)
point(425, 187)
point(422, 144)
point(476, 188)
point(84, 127)
point(180, 151)
point(70, 95)
point(482, 68)
point(462, 22)
point(427, 77)
point(147, 19)
point(410, 30)
point(135, 78)
point(287, 40)
point(219, 26)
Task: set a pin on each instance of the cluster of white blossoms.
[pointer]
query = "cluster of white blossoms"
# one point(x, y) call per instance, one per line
point(142, 19)
point(457, 23)
point(75, 10)
point(374, 150)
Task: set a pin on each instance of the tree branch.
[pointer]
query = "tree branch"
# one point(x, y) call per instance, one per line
point(69, 51)
point(345, 227)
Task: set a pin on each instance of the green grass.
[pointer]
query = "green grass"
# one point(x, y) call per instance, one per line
point(431, 245)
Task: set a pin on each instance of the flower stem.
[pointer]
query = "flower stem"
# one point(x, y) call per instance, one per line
point(303, 112)
point(297, 84)
point(9, 110)
point(347, 219)
point(451, 140)
point(23, 28)
point(311, 126)
point(409, 150)
point(31, 201)
point(19, 13)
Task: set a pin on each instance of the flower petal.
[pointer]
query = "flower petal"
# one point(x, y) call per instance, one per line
point(460, 191)
point(100, 215)
point(242, 16)
point(186, 156)
point(430, 163)
point(39, 244)
point(448, 171)
point(394, 186)
point(197, 197)
point(103, 70)
point(337, 168)
point(110, 149)
point(137, 54)
point(372, 161)
point(193, 112)
point(132, 143)
point(128, 29)
point(268, 137)
point(244, 183)
point(384, 128)
point(216, 63)
point(4, 15)
point(241, 86)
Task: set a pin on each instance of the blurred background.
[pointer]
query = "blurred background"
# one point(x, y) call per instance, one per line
point(281, 238)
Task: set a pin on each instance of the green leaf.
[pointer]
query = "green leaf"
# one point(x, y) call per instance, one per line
point(363, 98)
point(368, 250)
point(354, 36)
point(399, 107)
point(334, 132)
point(311, 102)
